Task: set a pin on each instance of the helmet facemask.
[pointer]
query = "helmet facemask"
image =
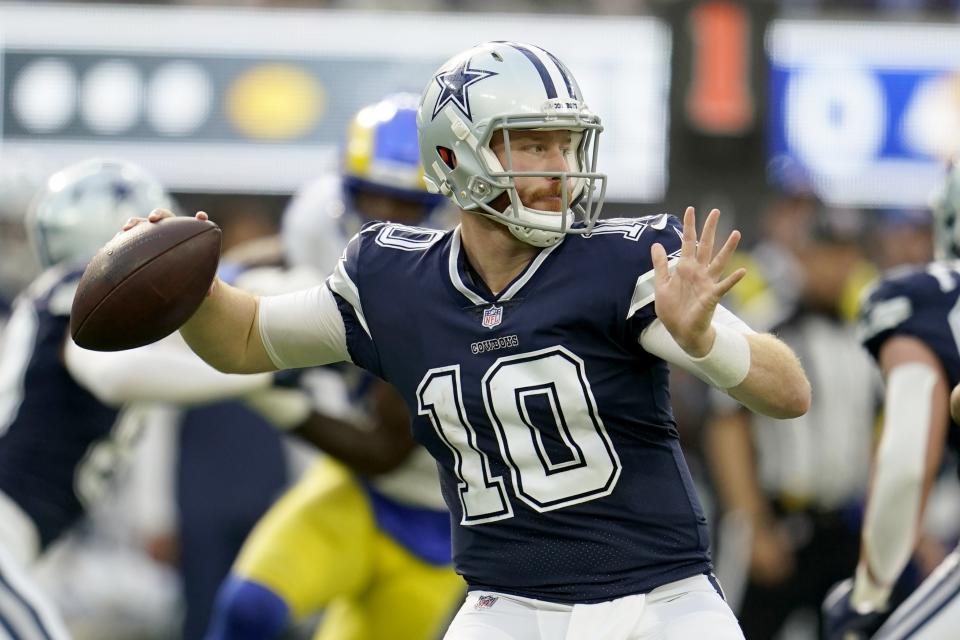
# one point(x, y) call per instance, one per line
point(581, 188)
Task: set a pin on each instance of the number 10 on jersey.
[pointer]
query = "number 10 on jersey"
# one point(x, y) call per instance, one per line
point(555, 376)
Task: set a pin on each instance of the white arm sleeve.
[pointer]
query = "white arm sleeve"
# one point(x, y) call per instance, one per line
point(165, 371)
point(893, 511)
point(149, 484)
point(656, 340)
point(303, 329)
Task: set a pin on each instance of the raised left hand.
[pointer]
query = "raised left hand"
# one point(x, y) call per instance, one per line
point(686, 298)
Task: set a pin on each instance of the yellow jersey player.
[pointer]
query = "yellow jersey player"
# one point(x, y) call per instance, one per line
point(368, 540)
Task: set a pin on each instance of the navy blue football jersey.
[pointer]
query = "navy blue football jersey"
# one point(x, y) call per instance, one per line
point(57, 442)
point(558, 453)
point(921, 302)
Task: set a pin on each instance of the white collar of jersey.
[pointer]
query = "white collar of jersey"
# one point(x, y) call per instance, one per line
point(506, 294)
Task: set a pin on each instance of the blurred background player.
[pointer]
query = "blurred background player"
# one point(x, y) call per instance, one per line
point(62, 430)
point(372, 547)
point(909, 324)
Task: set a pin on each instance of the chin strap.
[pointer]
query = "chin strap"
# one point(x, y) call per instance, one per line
point(530, 235)
point(535, 237)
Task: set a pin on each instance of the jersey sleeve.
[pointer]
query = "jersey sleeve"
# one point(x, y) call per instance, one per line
point(345, 283)
point(667, 231)
point(302, 329)
point(888, 309)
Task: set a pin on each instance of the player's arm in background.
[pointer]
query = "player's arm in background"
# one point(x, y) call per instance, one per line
point(732, 460)
point(165, 371)
point(377, 444)
point(916, 419)
point(694, 332)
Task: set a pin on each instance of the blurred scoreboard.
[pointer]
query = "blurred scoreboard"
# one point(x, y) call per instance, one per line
point(214, 99)
point(868, 112)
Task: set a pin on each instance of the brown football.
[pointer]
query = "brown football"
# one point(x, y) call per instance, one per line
point(145, 283)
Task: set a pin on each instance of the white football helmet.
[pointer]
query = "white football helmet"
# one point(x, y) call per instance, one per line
point(509, 86)
point(946, 216)
point(84, 205)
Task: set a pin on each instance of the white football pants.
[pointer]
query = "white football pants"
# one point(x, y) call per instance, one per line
point(681, 610)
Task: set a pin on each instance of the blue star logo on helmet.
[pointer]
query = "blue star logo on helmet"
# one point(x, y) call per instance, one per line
point(454, 85)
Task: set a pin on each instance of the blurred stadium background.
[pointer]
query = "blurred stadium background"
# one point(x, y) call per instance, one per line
point(806, 122)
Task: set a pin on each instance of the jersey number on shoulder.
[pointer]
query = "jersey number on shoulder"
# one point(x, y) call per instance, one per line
point(404, 238)
point(590, 466)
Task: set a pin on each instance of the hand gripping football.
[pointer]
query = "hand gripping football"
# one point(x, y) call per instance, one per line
point(145, 283)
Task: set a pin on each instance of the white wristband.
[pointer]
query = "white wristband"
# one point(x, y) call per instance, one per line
point(727, 363)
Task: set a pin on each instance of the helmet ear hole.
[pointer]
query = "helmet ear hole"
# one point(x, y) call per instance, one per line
point(448, 156)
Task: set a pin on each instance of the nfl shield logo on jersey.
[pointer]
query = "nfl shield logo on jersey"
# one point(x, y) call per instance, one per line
point(492, 316)
point(485, 602)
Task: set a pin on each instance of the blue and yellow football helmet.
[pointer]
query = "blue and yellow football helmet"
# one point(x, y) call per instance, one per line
point(380, 178)
point(381, 153)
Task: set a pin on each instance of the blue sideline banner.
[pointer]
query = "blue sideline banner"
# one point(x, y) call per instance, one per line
point(868, 112)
